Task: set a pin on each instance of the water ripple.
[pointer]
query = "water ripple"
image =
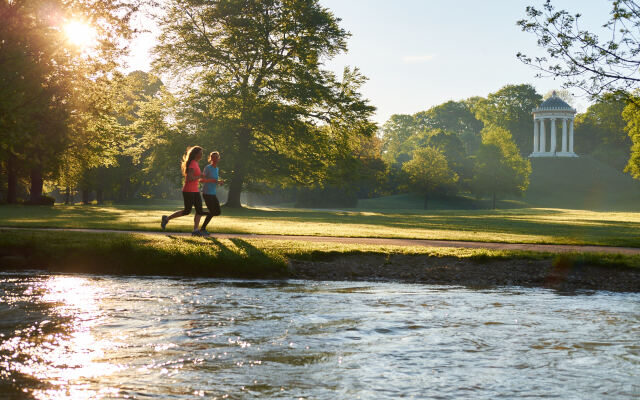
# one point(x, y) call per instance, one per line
point(74, 337)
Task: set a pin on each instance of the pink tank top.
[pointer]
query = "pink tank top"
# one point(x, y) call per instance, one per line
point(193, 185)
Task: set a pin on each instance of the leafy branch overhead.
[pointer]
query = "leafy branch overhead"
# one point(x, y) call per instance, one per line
point(585, 60)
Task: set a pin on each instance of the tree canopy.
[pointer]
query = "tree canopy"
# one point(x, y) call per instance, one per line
point(499, 168)
point(253, 84)
point(52, 88)
point(510, 108)
point(428, 172)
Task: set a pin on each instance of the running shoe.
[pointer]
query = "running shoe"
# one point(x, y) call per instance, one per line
point(203, 232)
point(196, 233)
point(165, 221)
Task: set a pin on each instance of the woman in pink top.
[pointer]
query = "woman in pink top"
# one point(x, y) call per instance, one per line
point(190, 190)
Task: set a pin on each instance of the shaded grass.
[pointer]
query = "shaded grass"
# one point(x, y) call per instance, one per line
point(140, 254)
point(529, 225)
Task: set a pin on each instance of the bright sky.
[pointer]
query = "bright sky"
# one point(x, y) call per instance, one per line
point(421, 53)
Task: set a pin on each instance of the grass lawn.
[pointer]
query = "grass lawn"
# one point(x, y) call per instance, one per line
point(142, 254)
point(526, 225)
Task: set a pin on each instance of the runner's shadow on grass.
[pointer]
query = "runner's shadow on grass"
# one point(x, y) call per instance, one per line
point(225, 251)
point(248, 248)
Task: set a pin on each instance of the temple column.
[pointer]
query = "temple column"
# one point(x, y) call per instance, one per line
point(564, 135)
point(536, 134)
point(543, 137)
point(571, 136)
point(553, 136)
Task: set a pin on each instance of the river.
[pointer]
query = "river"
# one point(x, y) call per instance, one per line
point(84, 336)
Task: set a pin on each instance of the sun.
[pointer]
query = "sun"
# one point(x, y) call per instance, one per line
point(80, 33)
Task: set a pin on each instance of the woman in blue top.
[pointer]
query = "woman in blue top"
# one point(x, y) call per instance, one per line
point(211, 182)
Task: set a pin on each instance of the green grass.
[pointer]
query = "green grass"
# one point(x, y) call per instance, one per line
point(582, 183)
point(142, 254)
point(529, 225)
point(412, 201)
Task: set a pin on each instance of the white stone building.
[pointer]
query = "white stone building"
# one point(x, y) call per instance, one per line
point(552, 115)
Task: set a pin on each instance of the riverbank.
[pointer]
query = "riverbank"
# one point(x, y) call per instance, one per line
point(169, 255)
point(564, 273)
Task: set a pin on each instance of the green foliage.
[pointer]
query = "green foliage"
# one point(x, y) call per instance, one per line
point(395, 133)
point(402, 133)
point(429, 172)
point(455, 117)
point(631, 115)
point(499, 168)
point(510, 108)
point(53, 106)
point(600, 131)
point(255, 87)
point(452, 148)
point(579, 56)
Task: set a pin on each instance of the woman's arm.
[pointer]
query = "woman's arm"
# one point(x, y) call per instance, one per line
point(191, 175)
point(210, 180)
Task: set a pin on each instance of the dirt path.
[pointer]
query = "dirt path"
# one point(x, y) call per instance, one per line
point(549, 248)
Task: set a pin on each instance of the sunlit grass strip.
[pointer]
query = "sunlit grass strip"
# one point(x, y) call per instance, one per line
point(550, 226)
point(140, 254)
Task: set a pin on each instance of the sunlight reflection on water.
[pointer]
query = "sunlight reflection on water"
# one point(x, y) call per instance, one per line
point(74, 337)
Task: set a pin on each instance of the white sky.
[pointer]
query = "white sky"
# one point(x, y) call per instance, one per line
point(421, 53)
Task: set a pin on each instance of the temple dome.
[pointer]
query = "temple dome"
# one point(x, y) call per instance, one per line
point(554, 103)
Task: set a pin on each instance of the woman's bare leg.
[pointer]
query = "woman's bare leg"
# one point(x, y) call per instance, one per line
point(196, 221)
point(176, 214)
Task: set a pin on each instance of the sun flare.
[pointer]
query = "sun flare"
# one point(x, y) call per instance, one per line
point(80, 33)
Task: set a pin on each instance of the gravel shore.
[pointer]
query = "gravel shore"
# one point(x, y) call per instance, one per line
point(563, 276)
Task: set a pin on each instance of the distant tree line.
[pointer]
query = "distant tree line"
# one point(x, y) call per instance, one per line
point(482, 143)
point(248, 81)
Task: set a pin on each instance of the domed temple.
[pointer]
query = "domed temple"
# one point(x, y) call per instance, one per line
point(551, 113)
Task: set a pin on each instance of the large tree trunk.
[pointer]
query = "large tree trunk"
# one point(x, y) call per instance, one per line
point(12, 180)
point(67, 196)
point(99, 196)
point(85, 196)
point(237, 180)
point(235, 190)
point(35, 191)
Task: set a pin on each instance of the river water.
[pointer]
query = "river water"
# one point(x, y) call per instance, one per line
point(81, 336)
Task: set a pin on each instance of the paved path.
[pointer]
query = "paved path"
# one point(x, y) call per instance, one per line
point(551, 248)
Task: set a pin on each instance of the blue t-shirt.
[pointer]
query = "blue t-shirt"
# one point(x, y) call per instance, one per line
point(210, 172)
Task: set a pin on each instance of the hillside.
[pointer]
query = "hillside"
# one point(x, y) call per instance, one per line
point(581, 183)
point(576, 183)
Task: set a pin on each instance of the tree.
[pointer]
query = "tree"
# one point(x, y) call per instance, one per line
point(395, 133)
point(254, 86)
point(510, 108)
point(499, 168)
point(601, 130)
point(122, 177)
point(579, 56)
point(455, 117)
point(632, 118)
point(43, 76)
point(429, 172)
